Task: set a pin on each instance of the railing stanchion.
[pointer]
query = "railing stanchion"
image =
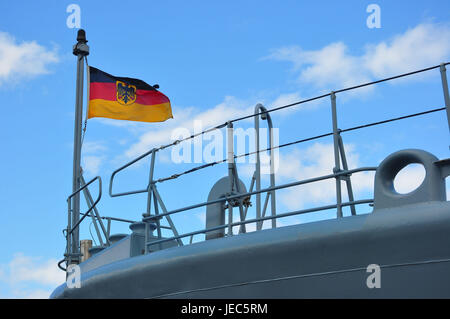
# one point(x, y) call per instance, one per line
point(169, 220)
point(337, 164)
point(266, 201)
point(68, 234)
point(258, 167)
point(252, 184)
point(94, 221)
point(347, 178)
point(446, 94)
point(75, 229)
point(273, 202)
point(242, 228)
point(230, 159)
point(90, 202)
point(150, 183)
point(108, 230)
point(158, 224)
point(149, 199)
point(260, 110)
point(73, 251)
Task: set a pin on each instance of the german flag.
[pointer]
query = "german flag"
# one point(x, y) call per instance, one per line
point(123, 98)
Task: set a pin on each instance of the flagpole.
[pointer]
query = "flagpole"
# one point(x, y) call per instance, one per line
point(81, 50)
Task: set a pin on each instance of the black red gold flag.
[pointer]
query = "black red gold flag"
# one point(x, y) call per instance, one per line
point(124, 98)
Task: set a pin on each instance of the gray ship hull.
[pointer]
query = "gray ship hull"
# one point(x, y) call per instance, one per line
point(324, 259)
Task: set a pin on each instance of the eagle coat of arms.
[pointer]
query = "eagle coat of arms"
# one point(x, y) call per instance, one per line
point(126, 93)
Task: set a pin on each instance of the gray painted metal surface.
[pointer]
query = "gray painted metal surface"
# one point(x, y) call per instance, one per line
point(337, 163)
point(81, 50)
point(407, 237)
point(321, 259)
point(445, 90)
point(260, 109)
point(431, 189)
point(215, 213)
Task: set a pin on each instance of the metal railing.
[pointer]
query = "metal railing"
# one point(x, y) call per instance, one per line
point(339, 174)
point(72, 246)
point(230, 199)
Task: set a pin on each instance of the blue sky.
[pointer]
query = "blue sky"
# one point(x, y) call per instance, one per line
point(215, 61)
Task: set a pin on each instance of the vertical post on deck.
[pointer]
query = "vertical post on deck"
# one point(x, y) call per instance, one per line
point(242, 228)
point(150, 183)
point(337, 164)
point(157, 221)
point(169, 220)
point(260, 110)
point(445, 88)
point(81, 50)
point(230, 160)
point(68, 234)
point(258, 169)
point(347, 179)
point(273, 206)
point(150, 193)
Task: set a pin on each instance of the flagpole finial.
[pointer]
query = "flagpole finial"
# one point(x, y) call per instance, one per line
point(81, 48)
point(81, 36)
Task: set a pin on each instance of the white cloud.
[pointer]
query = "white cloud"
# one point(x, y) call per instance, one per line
point(33, 294)
point(423, 46)
point(230, 108)
point(93, 156)
point(285, 99)
point(409, 178)
point(25, 268)
point(31, 277)
point(333, 67)
point(91, 164)
point(290, 98)
point(93, 147)
point(329, 66)
point(26, 59)
point(314, 161)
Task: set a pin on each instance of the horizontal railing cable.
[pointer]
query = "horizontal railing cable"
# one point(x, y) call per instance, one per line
point(193, 136)
point(229, 197)
point(262, 219)
point(298, 103)
point(340, 91)
point(393, 119)
point(160, 180)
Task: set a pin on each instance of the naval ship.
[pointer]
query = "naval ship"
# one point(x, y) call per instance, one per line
point(404, 241)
